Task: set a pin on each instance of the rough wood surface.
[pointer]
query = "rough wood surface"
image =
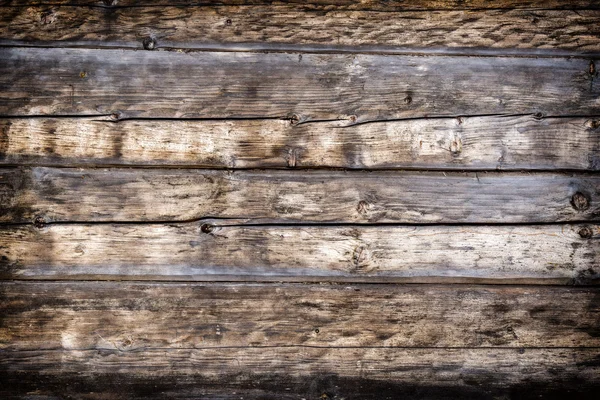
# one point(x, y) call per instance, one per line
point(311, 373)
point(303, 87)
point(134, 317)
point(146, 195)
point(545, 254)
point(283, 27)
point(522, 142)
point(380, 5)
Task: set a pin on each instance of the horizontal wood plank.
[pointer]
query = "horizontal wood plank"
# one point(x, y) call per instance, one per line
point(380, 5)
point(189, 340)
point(284, 27)
point(312, 373)
point(122, 194)
point(505, 143)
point(546, 254)
point(133, 317)
point(303, 87)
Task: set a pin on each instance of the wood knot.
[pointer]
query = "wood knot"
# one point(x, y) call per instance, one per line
point(592, 69)
point(291, 157)
point(110, 3)
point(408, 100)
point(459, 120)
point(592, 124)
point(47, 17)
point(149, 43)
point(360, 256)
point(363, 207)
point(538, 115)
point(456, 146)
point(116, 116)
point(83, 74)
point(586, 232)
point(294, 119)
point(206, 228)
point(580, 201)
point(353, 118)
point(39, 221)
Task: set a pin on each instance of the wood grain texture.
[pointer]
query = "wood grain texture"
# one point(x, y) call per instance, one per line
point(305, 87)
point(312, 373)
point(380, 5)
point(133, 317)
point(284, 27)
point(542, 254)
point(147, 195)
point(504, 143)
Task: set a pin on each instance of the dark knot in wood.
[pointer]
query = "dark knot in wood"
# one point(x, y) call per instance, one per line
point(580, 201)
point(586, 232)
point(206, 228)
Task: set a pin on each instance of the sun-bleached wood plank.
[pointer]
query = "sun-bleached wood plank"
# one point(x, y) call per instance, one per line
point(208, 251)
point(303, 87)
point(51, 194)
point(284, 27)
point(523, 142)
point(73, 316)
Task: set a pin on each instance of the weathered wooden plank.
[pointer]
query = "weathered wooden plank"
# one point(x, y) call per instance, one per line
point(134, 316)
point(544, 254)
point(283, 27)
point(52, 194)
point(506, 143)
point(380, 5)
point(38, 81)
point(311, 373)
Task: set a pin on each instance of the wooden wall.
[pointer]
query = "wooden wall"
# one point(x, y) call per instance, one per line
point(324, 199)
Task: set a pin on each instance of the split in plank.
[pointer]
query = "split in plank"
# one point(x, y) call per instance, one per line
point(539, 254)
point(284, 28)
point(303, 87)
point(289, 373)
point(360, 5)
point(52, 194)
point(135, 316)
point(507, 143)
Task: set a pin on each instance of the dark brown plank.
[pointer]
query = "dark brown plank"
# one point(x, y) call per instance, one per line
point(146, 195)
point(380, 5)
point(538, 254)
point(290, 341)
point(283, 27)
point(296, 373)
point(480, 143)
point(134, 317)
point(305, 87)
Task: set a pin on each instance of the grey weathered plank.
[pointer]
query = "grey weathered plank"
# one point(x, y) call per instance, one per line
point(284, 27)
point(380, 5)
point(145, 195)
point(311, 373)
point(79, 82)
point(506, 143)
point(546, 254)
point(134, 316)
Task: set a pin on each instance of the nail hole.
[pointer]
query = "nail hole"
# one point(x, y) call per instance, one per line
point(317, 330)
point(82, 74)
point(408, 99)
point(206, 228)
point(538, 115)
point(149, 43)
point(39, 222)
point(580, 201)
point(228, 22)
